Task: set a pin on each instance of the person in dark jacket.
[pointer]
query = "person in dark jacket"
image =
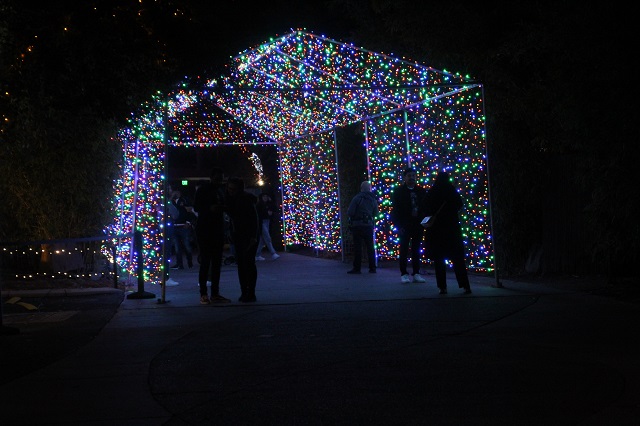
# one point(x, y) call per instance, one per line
point(241, 208)
point(362, 212)
point(444, 235)
point(406, 216)
point(209, 206)
point(182, 228)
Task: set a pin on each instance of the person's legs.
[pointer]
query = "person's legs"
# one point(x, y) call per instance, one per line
point(261, 243)
point(241, 262)
point(441, 273)
point(247, 271)
point(182, 245)
point(252, 275)
point(357, 248)
point(176, 250)
point(460, 269)
point(188, 251)
point(206, 253)
point(216, 265)
point(266, 236)
point(416, 245)
point(404, 251)
point(371, 255)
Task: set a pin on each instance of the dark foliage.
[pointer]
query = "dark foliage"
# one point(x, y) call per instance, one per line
point(71, 73)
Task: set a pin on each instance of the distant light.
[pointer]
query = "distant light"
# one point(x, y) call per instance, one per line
point(260, 182)
point(185, 183)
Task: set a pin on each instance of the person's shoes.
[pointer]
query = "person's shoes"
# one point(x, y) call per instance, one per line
point(260, 258)
point(443, 291)
point(190, 264)
point(219, 299)
point(405, 279)
point(274, 256)
point(204, 300)
point(248, 299)
point(241, 298)
point(417, 278)
point(171, 283)
point(467, 291)
point(372, 271)
point(353, 271)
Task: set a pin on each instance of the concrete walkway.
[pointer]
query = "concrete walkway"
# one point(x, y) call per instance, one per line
point(321, 347)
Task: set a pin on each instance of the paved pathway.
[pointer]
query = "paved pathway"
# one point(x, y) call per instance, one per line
point(321, 347)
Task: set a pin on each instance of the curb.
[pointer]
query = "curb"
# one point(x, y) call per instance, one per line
point(57, 292)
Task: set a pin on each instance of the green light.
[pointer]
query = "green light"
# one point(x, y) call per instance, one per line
point(185, 183)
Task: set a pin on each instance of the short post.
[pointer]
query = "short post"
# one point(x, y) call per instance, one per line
point(140, 294)
point(114, 253)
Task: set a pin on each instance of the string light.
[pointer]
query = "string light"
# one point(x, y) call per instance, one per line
point(83, 259)
point(293, 91)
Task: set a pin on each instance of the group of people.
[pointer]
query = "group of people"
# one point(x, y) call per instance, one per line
point(411, 206)
point(249, 233)
point(419, 215)
point(182, 220)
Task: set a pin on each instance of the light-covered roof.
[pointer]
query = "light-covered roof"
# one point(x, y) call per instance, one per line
point(301, 84)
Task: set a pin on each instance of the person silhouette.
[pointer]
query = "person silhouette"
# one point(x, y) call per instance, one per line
point(406, 216)
point(266, 210)
point(443, 239)
point(241, 208)
point(182, 228)
point(362, 212)
point(210, 234)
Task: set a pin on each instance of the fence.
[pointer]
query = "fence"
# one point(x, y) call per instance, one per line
point(89, 258)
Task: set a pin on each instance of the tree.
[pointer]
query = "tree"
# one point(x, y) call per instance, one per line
point(72, 72)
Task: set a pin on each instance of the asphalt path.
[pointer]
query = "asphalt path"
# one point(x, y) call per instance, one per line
point(50, 326)
point(321, 347)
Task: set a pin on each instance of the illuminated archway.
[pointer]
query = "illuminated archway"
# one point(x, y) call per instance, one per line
point(294, 92)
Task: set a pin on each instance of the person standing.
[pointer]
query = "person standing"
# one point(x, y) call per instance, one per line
point(209, 205)
point(172, 214)
point(182, 230)
point(241, 208)
point(362, 212)
point(444, 234)
point(266, 210)
point(406, 215)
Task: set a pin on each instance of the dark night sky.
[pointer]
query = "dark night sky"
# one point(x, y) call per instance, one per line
point(221, 30)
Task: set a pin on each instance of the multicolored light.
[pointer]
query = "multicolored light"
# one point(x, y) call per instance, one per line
point(294, 91)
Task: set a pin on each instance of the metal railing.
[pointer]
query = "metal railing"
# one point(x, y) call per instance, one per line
point(70, 258)
point(51, 260)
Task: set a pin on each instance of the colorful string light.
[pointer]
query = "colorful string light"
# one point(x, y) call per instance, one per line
point(294, 91)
